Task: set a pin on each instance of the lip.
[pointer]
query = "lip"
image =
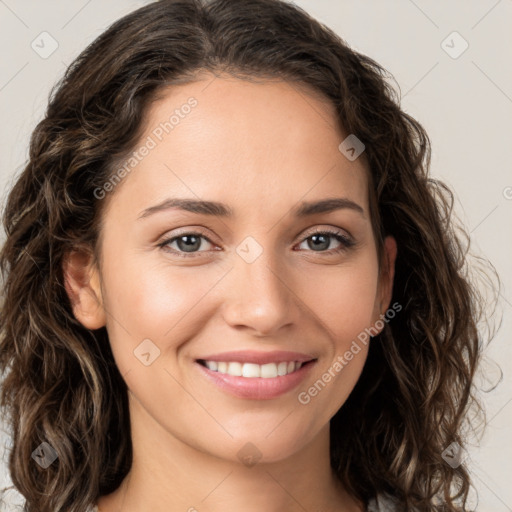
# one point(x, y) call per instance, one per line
point(258, 357)
point(256, 388)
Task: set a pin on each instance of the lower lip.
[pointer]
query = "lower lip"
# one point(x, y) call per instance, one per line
point(257, 388)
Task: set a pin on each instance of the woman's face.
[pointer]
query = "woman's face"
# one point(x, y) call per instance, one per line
point(183, 290)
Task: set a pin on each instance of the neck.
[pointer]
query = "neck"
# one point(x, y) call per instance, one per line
point(168, 475)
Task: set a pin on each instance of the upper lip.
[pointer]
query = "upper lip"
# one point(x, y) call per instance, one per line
point(258, 357)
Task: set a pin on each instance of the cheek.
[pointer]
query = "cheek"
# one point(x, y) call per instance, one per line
point(344, 299)
point(345, 304)
point(162, 302)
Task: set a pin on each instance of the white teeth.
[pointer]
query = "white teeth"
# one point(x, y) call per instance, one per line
point(235, 369)
point(269, 370)
point(212, 365)
point(251, 370)
point(282, 368)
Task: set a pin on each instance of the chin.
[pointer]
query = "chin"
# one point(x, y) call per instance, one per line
point(257, 446)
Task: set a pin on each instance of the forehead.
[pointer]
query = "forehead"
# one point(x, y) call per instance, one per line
point(265, 142)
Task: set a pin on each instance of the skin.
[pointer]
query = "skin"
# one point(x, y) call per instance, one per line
point(261, 148)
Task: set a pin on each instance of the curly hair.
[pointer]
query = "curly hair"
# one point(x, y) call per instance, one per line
point(61, 384)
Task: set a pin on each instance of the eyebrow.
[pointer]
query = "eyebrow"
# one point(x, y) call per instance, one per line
point(215, 208)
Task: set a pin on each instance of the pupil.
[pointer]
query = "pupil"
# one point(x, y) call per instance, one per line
point(316, 238)
point(189, 246)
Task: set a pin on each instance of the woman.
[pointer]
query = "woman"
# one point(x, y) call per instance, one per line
point(230, 282)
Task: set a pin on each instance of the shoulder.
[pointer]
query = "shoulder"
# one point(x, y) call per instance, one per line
point(383, 503)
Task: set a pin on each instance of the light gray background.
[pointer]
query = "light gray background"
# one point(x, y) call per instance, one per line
point(465, 104)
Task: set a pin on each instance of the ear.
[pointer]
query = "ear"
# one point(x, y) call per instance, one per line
point(387, 275)
point(82, 283)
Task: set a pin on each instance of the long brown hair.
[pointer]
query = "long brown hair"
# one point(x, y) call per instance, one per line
point(61, 384)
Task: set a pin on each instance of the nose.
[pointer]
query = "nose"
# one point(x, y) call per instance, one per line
point(260, 296)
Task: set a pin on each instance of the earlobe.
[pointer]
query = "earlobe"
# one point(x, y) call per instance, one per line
point(82, 283)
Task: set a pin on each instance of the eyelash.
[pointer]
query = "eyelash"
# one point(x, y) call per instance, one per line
point(346, 243)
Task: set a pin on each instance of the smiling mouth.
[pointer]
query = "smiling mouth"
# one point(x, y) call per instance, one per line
point(253, 370)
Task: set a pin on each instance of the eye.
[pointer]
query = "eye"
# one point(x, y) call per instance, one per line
point(321, 240)
point(187, 244)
